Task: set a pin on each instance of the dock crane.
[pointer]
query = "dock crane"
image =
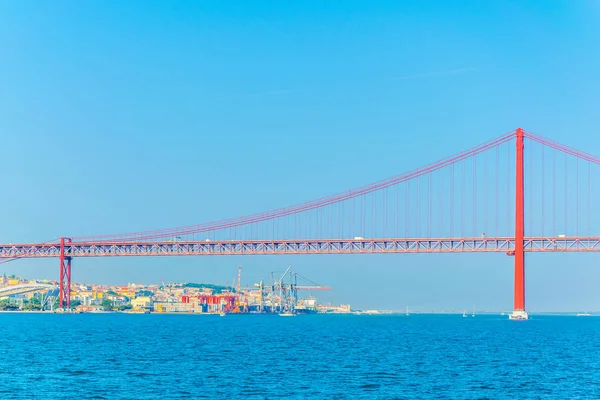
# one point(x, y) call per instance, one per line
point(286, 290)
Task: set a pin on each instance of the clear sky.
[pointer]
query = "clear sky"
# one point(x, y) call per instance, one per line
point(124, 116)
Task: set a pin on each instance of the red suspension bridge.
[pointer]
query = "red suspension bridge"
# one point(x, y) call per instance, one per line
point(483, 199)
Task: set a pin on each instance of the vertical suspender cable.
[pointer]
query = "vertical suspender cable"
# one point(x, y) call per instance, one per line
point(374, 213)
point(474, 196)
point(543, 186)
point(396, 212)
point(418, 206)
point(343, 205)
point(554, 192)
point(308, 217)
point(407, 199)
point(452, 200)
point(352, 219)
point(529, 192)
point(429, 204)
point(508, 203)
point(330, 219)
point(440, 203)
point(385, 218)
point(362, 216)
point(462, 202)
point(589, 210)
point(566, 190)
point(485, 196)
point(576, 196)
point(496, 204)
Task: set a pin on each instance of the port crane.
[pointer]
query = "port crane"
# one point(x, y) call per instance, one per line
point(284, 291)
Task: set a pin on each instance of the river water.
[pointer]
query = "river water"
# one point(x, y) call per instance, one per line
point(116, 356)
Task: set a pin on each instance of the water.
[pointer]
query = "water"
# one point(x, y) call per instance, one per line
point(118, 356)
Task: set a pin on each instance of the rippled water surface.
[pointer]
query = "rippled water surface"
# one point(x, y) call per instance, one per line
point(117, 356)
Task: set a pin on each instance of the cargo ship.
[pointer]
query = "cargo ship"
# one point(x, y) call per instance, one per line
point(307, 306)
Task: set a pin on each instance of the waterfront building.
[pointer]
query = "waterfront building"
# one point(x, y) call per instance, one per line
point(142, 303)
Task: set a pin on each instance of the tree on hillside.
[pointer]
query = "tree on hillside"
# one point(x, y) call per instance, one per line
point(33, 304)
point(107, 304)
point(6, 305)
point(215, 288)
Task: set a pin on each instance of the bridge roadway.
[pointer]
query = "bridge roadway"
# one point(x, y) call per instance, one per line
point(24, 288)
point(309, 246)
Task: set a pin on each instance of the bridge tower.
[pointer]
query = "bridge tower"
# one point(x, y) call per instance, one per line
point(519, 312)
point(65, 276)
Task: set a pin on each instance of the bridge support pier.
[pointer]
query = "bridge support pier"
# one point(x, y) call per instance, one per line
point(65, 276)
point(519, 312)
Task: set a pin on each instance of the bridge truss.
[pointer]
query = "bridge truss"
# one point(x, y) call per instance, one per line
point(281, 247)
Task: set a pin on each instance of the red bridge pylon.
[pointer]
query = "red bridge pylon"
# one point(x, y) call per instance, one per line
point(65, 276)
point(519, 312)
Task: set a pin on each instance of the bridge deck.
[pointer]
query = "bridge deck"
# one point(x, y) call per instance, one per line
point(309, 246)
point(24, 288)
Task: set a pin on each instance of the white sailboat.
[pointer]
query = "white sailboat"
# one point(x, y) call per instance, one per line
point(464, 314)
point(407, 311)
point(584, 314)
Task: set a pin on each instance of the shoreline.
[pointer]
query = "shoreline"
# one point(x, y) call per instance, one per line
point(359, 313)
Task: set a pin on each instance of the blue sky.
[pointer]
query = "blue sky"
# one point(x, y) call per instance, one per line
point(124, 116)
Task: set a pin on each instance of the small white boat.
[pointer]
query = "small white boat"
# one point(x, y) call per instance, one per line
point(464, 314)
point(518, 315)
point(222, 314)
point(287, 314)
point(407, 314)
point(584, 314)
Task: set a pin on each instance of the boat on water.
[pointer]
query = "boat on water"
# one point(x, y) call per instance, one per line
point(287, 314)
point(584, 314)
point(407, 314)
point(518, 315)
point(222, 314)
point(464, 314)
